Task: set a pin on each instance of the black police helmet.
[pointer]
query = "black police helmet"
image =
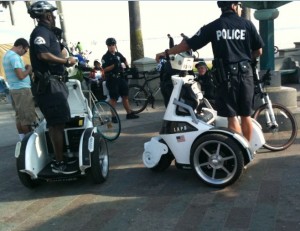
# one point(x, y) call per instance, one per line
point(110, 41)
point(223, 4)
point(37, 9)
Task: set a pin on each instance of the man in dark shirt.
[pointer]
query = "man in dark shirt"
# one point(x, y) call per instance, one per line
point(235, 43)
point(49, 72)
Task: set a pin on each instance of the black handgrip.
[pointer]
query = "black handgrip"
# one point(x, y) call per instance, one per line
point(267, 77)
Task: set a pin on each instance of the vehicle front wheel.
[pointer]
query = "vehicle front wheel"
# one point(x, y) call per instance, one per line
point(217, 160)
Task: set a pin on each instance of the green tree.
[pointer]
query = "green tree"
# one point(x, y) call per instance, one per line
point(136, 38)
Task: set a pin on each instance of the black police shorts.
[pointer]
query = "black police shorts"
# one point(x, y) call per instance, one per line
point(117, 87)
point(54, 103)
point(237, 99)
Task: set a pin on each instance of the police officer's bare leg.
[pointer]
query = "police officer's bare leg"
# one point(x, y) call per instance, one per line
point(234, 124)
point(247, 127)
point(113, 102)
point(56, 133)
point(23, 128)
point(125, 102)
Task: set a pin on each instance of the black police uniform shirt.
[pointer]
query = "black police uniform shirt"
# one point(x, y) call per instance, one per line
point(109, 59)
point(233, 38)
point(44, 40)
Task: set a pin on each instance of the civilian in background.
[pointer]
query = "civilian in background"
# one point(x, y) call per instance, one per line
point(17, 75)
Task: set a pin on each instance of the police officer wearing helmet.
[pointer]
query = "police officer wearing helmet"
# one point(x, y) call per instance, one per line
point(113, 63)
point(48, 66)
point(235, 43)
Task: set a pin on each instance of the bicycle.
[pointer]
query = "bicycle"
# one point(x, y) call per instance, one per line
point(104, 117)
point(140, 96)
point(278, 123)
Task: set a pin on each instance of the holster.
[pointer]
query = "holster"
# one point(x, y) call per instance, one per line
point(42, 81)
point(218, 74)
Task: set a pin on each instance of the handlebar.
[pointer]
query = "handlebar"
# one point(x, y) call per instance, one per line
point(265, 79)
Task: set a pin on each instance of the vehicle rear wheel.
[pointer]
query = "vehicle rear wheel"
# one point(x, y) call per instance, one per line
point(164, 163)
point(99, 160)
point(217, 160)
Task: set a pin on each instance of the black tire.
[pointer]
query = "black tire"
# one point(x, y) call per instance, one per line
point(217, 160)
point(25, 179)
point(103, 114)
point(281, 137)
point(138, 98)
point(99, 160)
point(164, 163)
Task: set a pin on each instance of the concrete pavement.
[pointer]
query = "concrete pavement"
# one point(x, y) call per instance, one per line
point(266, 197)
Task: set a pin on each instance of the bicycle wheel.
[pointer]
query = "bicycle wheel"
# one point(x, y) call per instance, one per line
point(281, 137)
point(106, 120)
point(138, 98)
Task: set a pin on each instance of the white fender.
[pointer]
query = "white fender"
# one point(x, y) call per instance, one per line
point(257, 139)
point(153, 150)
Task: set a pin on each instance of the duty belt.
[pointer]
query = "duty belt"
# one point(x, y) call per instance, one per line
point(115, 76)
point(57, 77)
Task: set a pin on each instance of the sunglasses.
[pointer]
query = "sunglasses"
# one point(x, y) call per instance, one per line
point(25, 50)
point(111, 45)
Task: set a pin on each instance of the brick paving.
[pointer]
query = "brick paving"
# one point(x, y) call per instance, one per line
point(266, 197)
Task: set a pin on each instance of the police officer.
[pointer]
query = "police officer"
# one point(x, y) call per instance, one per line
point(49, 72)
point(235, 42)
point(113, 63)
point(205, 79)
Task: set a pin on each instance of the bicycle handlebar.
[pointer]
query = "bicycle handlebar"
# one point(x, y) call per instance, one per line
point(265, 79)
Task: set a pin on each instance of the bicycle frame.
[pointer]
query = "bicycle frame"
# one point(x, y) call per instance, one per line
point(152, 92)
point(147, 87)
point(92, 100)
point(265, 99)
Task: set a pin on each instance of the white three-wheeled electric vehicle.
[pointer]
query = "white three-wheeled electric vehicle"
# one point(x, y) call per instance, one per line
point(199, 140)
point(82, 141)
